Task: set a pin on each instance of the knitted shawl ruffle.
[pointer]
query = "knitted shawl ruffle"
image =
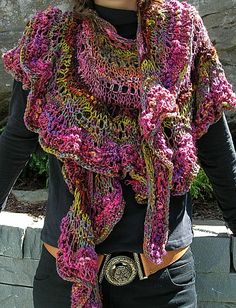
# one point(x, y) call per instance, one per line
point(108, 106)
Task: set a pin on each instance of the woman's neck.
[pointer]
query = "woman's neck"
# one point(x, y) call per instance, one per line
point(118, 4)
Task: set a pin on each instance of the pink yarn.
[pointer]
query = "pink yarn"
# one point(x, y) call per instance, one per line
point(107, 107)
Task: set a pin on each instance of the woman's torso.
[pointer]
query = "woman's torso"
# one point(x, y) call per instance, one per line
point(127, 235)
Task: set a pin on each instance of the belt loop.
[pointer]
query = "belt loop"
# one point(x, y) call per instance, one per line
point(103, 266)
point(140, 268)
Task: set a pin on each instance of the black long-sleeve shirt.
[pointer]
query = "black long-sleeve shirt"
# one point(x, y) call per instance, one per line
point(216, 155)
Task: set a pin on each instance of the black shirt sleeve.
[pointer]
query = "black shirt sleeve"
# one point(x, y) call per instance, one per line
point(217, 157)
point(17, 143)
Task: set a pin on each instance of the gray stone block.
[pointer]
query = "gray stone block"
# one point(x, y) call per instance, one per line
point(211, 247)
point(32, 243)
point(15, 297)
point(17, 271)
point(216, 305)
point(32, 197)
point(233, 243)
point(11, 241)
point(211, 256)
point(15, 240)
point(216, 287)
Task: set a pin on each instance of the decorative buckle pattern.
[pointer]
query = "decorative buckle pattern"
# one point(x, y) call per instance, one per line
point(121, 270)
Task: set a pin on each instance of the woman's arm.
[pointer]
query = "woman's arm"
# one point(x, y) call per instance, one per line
point(17, 143)
point(217, 157)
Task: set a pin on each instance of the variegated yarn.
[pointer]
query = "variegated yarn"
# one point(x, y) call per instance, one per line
point(108, 106)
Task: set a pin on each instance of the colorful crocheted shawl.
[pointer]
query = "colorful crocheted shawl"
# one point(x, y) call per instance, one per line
point(107, 106)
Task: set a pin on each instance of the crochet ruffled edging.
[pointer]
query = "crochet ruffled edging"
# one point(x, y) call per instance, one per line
point(184, 91)
point(213, 92)
point(30, 62)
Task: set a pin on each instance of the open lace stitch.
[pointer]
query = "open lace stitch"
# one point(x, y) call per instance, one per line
point(106, 107)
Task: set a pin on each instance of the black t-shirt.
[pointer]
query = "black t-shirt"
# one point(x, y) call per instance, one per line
point(215, 152)
point(128, 232)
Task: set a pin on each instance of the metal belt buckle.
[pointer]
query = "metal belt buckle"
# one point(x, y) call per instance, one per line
point(119, 270)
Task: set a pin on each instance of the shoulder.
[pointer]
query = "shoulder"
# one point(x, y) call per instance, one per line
point(31, 59)
point(180, 10)
point(176, 6)
point(46, 16)
point(43, 20)
point(185, 16)
point(174, 13)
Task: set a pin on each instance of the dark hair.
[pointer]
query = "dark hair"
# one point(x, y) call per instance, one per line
point(80, 7)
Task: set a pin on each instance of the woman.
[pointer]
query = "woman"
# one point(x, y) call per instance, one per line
point(126, 98)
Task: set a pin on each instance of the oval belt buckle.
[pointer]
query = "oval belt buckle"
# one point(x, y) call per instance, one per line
point(120, 270)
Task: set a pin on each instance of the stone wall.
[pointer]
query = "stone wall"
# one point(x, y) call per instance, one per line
point(20, 248)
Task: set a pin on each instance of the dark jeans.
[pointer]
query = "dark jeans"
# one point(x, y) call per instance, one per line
point(173, 286)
